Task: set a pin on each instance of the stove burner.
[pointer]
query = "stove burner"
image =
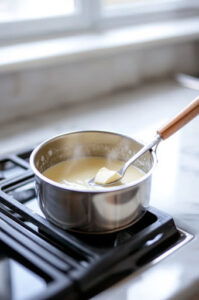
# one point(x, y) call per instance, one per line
point(68, 262)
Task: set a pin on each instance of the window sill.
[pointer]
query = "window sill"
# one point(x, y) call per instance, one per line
point(44, 75)
point(77, 48)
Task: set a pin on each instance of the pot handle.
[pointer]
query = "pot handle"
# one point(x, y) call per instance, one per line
point(181, 119)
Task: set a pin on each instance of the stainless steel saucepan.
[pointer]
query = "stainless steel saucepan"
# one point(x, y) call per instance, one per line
point(107, 209)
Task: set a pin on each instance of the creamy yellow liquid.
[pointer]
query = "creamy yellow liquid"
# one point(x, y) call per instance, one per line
point(77, 172)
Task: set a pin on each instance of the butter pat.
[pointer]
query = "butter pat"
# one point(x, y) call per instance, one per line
point(105, 176)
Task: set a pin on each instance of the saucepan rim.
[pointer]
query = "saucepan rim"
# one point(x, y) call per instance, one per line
point(84, 190)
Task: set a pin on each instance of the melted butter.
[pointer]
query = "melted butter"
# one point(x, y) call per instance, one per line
point(105, 176)
point(77, 172)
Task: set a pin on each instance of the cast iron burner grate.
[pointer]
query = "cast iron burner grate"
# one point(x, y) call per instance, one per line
point(64, 264)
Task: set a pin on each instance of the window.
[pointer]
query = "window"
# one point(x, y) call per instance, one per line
point(27, 18)
point(122, 12)
point(20, 18)
point(31, 9)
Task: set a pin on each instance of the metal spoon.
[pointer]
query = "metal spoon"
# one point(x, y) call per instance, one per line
point(181, 119)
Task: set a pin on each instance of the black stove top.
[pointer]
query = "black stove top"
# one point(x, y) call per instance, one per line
point(37, 259)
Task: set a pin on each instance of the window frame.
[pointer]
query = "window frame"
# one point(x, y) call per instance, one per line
point(47, 25)
point(91, 15)
point(142, 13)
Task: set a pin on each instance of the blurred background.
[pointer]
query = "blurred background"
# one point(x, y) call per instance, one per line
point(79, 64)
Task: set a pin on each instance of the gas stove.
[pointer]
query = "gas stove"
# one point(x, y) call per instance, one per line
point(41, 261)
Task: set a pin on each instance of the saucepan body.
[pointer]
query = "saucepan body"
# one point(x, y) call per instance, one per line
point(85, 210)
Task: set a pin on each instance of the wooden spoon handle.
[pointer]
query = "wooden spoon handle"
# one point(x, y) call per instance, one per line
point(181, 119)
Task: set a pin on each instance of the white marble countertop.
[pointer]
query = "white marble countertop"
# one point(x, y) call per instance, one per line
point(175, 189)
